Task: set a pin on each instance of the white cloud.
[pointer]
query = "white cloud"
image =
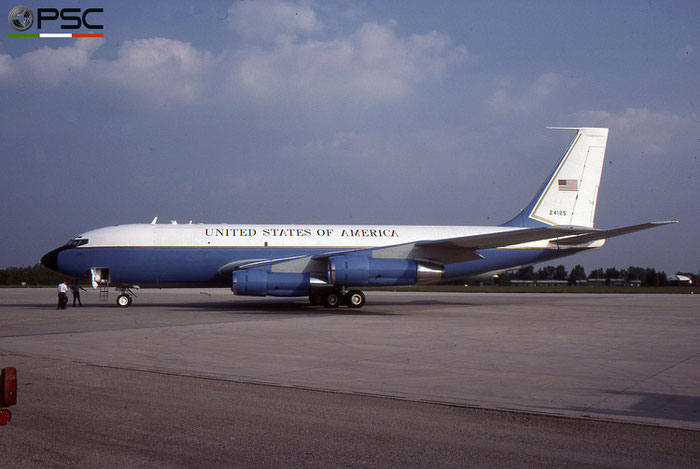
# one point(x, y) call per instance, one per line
point(155, 70)
point(50, 67)
point(271, 19)
point(372, 64)
point(640, 131)
point(503, 99)
point(278, 63)
point(5, 67)
point(159, 68)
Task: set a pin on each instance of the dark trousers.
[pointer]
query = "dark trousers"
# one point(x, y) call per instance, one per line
point(76, 296)
point(62, 301)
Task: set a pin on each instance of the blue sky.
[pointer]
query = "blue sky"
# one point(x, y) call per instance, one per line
point(350, 112)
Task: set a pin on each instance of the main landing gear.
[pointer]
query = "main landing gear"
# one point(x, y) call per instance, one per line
point(334, 298)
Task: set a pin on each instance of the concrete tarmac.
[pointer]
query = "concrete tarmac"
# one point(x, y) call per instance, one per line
point(409, 370)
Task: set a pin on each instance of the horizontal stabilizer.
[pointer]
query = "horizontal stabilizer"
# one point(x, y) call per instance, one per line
point(605, 234)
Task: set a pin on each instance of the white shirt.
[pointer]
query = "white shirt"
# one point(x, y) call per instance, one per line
point(62, 288)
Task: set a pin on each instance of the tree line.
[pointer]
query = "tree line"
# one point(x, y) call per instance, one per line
point(36, 275)
point(648, 276)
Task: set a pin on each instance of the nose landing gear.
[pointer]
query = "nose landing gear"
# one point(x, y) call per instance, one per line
point(125, 297)
point(124, 300)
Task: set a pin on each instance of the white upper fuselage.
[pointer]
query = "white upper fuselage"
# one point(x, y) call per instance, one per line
point(279, 235)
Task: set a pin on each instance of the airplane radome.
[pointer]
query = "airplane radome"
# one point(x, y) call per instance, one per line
point(331, 263)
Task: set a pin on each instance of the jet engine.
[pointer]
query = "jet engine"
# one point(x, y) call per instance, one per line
point(363, 270)
point(258, 282)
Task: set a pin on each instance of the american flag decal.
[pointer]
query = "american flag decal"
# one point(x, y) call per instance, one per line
point(568, 185)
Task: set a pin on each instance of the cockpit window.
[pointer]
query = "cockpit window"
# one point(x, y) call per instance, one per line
point(74, 243)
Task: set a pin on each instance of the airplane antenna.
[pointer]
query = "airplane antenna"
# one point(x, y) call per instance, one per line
point(155, 220)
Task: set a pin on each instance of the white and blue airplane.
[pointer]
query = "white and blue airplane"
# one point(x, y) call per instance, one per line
point(330, 263)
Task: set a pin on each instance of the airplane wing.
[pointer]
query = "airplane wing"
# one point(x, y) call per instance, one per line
point(445, 251)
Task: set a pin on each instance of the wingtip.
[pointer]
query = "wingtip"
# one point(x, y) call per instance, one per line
point(667, 222)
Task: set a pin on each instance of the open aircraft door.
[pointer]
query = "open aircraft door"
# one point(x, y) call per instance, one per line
point(100, 278)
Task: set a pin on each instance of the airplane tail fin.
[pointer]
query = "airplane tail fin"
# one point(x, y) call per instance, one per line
point(569, 195)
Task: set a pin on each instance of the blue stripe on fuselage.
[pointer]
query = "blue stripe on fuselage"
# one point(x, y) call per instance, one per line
point(192, 265)
point(146, 265)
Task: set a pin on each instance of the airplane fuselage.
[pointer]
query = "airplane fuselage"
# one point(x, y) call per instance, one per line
point(193, 254)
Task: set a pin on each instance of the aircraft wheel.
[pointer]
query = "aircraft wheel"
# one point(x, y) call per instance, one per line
point(355, 299)
point(124, 300)
point(332, 300)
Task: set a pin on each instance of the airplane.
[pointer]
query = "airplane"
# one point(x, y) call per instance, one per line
point(331, 263)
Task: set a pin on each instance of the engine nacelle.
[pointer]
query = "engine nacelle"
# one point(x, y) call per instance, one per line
point(363, 270)
point(256, 282)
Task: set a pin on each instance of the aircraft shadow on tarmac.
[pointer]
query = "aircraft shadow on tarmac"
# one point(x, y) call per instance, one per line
point(265, 307)
point(272, 306)
point(247, 307)
point(279, 306)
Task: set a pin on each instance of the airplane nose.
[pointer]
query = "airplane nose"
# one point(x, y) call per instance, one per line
point(50, 259)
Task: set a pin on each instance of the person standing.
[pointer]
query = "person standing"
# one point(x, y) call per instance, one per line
point(62, 295)
point(75, 288)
